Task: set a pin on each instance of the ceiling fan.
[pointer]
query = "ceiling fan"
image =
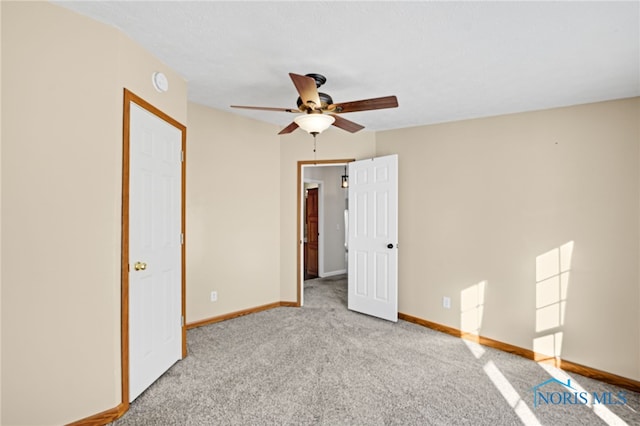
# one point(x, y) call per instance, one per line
point(319, 111)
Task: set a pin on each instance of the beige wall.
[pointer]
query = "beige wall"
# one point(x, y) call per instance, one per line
point(63, 77)
point(489, 200)
point(298, 146)
point(233, 203)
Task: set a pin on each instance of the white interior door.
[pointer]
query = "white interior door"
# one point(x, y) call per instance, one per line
point(155, 262)
point(373, 237)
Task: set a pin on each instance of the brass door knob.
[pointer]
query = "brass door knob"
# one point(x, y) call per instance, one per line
point(140, 266)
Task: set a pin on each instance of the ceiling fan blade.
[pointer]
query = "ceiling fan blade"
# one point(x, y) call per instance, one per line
point(365, 104)
point(294, 110)
point(290, 128)
point(345, 124)
point(306, 87)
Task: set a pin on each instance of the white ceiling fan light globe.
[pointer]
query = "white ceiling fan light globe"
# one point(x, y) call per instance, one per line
point(314, 123)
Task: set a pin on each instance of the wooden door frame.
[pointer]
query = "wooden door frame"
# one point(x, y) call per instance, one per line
point(299, 209)
point(130, 97)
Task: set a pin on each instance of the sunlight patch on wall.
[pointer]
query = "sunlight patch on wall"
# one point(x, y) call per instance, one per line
point(553, 270)
point(548, 346)
point(472, 308)
point(471, 313)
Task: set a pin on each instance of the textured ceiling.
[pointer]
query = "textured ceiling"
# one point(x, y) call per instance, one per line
point(444, 61)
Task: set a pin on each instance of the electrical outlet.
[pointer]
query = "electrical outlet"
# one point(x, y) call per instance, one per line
point(446, 302)
point(214, 296)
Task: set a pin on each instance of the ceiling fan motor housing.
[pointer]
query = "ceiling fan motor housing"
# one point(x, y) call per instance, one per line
point(320, 79)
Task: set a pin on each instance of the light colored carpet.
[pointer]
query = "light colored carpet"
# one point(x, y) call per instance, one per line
point(325, 365)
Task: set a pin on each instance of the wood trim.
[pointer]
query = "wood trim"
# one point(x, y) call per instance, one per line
point(102, 418)
point(603, 376)
point(124, 267)
point(569, 366)
point(241, 313)
point(299, 212)
point(124, 253)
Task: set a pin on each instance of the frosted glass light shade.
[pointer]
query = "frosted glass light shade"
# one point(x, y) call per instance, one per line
point(314, 123)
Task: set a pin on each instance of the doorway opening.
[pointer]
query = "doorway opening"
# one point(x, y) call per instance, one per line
point(325, 175)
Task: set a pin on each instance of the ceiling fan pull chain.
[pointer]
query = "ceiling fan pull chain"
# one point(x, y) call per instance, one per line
point(314, 146)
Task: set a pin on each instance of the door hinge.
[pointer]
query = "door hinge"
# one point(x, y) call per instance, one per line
point(182, 156)
point(182, 321)
point(181, 238)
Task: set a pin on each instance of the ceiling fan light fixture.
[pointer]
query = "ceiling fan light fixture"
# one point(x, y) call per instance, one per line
point(314, 123)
